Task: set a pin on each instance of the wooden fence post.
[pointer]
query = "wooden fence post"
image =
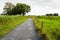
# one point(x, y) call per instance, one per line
point(41, 25)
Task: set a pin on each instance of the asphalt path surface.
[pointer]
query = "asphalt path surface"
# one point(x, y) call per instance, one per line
point(24, 31)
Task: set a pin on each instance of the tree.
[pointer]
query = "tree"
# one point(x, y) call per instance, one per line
point(49, 14)
point(55, 14)
point(21, 9)
point(8, 7)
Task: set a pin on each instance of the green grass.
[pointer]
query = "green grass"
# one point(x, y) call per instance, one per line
point(8, 23)
point(51, 26)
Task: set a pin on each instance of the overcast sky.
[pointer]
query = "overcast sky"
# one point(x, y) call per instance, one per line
point(38, 7)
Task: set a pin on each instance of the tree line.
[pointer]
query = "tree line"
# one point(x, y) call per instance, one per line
point(55, 14)
point(19, 8)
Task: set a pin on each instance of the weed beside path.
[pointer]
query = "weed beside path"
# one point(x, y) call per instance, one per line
point(7, 23)
point(38, 29)
point(51, 26)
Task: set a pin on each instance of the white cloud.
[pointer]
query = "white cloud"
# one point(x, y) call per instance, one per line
point(38, 7)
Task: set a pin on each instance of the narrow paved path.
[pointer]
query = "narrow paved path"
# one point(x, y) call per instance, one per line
point(24, 31)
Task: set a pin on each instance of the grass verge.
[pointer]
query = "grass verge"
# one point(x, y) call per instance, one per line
point(51, 26)
point(8, 23)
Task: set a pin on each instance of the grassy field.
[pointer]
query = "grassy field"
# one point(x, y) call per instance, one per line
point(51, 26)
point(7, 23)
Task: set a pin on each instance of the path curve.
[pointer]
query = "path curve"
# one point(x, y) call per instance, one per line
point(24, 31)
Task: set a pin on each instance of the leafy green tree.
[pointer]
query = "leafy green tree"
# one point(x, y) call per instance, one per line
point(55, 14)
point(8, 7)
point(49, 14)
point(21, 9)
